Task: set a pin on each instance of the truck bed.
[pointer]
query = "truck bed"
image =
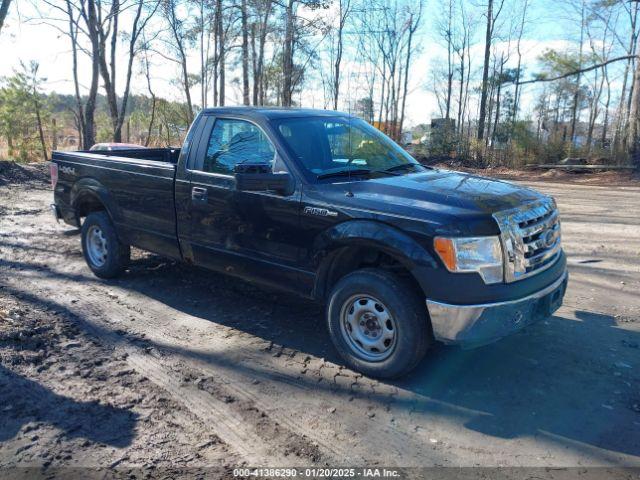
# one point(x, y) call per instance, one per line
point(136, 186)
point(167, 155)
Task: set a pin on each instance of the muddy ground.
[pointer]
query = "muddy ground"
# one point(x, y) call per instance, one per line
point(171, 369)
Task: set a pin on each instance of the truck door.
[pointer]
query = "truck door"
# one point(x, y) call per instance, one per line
point(253, 235)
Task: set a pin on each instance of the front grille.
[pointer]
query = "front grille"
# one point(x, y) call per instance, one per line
point(530, 238)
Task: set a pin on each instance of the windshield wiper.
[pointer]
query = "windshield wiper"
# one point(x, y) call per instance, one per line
point(402, 166)
point(344, 173)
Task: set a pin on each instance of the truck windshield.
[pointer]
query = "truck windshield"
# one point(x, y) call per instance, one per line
point(326, 146)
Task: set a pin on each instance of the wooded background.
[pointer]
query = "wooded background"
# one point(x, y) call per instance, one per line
point(359, 55)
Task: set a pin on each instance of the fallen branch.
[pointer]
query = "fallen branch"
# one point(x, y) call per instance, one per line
point(580, 71)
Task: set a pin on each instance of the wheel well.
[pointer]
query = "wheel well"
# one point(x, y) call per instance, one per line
point(345, 260)
point(88, 204)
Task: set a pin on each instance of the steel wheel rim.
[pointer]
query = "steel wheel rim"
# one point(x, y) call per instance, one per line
point(368, 328)
point(96, 244)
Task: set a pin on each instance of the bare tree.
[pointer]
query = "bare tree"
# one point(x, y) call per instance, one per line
point(634, 118)
point(34, 81)
point(448, 35)
point(413, 22)
point(108, 32)
point(246, 93)
point(287, 55)
point(220, 61)
point(344, 9)
point(177, 41)
point(73, 36)
point(146, 68)
point(88, 13)
point(489, 34)
point(576, 95)
point(260, 28)
point(77, 21)
point(516, 95)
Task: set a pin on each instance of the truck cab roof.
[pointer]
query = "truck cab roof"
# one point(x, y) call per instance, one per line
point(273, 112)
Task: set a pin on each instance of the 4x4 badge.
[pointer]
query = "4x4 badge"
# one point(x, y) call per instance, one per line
point(321, 212)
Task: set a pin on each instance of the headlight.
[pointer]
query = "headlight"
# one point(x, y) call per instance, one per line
point(472, 254)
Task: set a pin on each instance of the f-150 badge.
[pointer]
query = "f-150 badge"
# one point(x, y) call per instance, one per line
point(321, 212)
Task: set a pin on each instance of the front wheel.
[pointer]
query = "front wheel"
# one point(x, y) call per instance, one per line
point(106, 256)
point(378, 323)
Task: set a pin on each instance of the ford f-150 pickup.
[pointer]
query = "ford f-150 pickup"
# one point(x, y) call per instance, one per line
point(322, 204)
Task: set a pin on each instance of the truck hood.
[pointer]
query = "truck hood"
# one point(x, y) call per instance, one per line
point(436, 196)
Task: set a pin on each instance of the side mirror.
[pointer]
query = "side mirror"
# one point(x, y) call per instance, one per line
point(258, 177)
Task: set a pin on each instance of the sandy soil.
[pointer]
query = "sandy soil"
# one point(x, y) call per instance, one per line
point(174, 369)
point(598, 178)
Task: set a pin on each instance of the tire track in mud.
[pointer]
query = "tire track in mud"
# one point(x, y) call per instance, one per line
point(113, 306)
point(236, 419)
point(228, 367)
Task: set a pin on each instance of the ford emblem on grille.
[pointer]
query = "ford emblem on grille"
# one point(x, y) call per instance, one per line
point(549, 238)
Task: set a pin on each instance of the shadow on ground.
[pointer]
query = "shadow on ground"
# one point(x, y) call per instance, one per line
point(24, 400)
point(562, 379)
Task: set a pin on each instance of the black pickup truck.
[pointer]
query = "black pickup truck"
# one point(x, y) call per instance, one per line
point(322, 204)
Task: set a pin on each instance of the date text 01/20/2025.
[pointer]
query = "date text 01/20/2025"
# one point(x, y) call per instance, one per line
point(316, 472)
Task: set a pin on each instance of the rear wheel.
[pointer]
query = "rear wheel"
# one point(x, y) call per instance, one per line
point(378, 323)
point(106, 256)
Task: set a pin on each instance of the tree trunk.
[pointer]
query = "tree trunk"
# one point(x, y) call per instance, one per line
point(485, 71)
point(73, 36)
point(135, 32)
point(624, 106)
point(216, 55)
point(516, 95)
point(221, 55)
point(449, 63)
point(287, 59)
point(496, 122)
point(342, 16)
point(179, 44)
point(54, 134)
point(43, 144)
point(406, 71)
point(605, 122)
point(382, 92)
point(4, 10)
point(261, 47)
point(109, 77)
point(89, 138)
point(203, 65)
point(576, 95)
point(147, 72)
point(254, 65)
point(461, 90)
point(634, 120)
point(246, 100)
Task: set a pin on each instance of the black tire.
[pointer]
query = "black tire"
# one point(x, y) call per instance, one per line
point(117, 254)
point(407, 308)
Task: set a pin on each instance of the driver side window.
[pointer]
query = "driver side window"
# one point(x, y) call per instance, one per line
point(236, 141)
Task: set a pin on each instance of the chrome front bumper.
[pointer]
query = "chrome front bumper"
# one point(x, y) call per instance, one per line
point(474, 325)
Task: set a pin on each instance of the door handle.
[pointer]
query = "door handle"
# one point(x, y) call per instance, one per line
point(199, 194)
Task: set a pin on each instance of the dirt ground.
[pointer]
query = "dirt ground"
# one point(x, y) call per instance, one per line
point(171, 369)
point(598, 178)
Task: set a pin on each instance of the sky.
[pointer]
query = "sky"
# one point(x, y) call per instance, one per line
point(25, 39)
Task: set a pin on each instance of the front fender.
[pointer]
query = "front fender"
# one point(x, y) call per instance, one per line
point(331, 253)
point(377, 235)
